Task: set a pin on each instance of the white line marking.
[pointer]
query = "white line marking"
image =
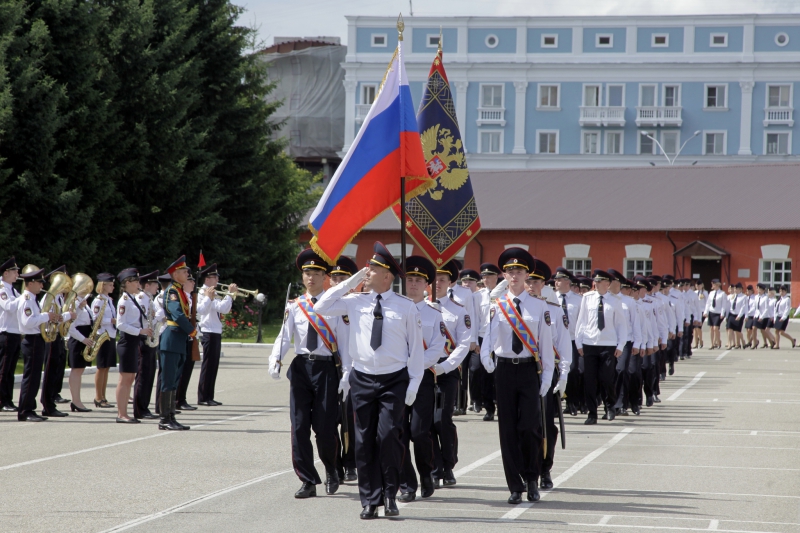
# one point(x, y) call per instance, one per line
point(686, 387)
point(574, 469)
point(715, 400)
point(605, 520)
point(690, 493)
point(702, 466)
point(672, 528)
point(769, 401)
point(713, 525)
point(754, 432)
point(723, 354)
point(686, 431)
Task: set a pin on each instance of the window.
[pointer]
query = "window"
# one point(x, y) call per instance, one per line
point(716, 97)
point(549, 40)
point(669, 142)
point(718, 40)
point(591, 95)
point(604, 40)
point(579, 267)
point(294, 102)
point(659, 40)
point(491, 96)
point(778, 95)
point(615, 95)
point(492, 41)
point(591, 142)
point(776, 272)
point(647, 95)
point(433, 40)
point(548, 142)
point(646, 144)
point(491, 142)
point(777, 143)
point(294, 138)
point(297, 68)
point(714, 143)
point(638, 267)
point(368, 93)
point(379, 40)
point(614, 142)
point(548, 96)
point(781, 39)
point(672, 95)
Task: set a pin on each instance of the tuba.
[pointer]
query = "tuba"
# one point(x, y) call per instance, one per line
point(60, 283)
point(90, 352)
point(82, 286)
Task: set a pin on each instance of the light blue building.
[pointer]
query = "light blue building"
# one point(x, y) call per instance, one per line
point(580, 91)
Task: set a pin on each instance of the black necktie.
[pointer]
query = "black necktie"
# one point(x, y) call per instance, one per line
point(516, 342)
point(377, 325)
point(564, 307)
point(734, 304)
point(311, 337)
point(714, 301)
point(601, 319)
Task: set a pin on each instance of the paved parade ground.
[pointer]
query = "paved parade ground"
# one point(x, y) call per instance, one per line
point(720, 453)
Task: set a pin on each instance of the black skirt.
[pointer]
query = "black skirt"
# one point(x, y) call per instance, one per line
point(762, 323)
point(750, 323)
point(107, 357)
point(780, 325)
point(714, 319)
point(129, 350)
point(76, 348)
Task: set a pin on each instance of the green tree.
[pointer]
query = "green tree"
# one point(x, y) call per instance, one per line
point(10, 16)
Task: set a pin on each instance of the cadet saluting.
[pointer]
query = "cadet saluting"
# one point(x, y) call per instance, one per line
point(387, 351)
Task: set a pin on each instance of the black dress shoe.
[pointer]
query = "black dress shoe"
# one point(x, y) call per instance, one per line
point(407, 496)
point(307, 490)
point(55, 413)
point(622, 412)
point(656, 398)
point(611, 415)
point(649, 401)
point(533, 495)
point(9, 408)
point(148, 416)
point(207, 404)
point(214, 403)
point(331, 483)
point(369, 512)
point(74, 408)
point(573, 410)
point(547, 481)
point(448, 478)
point(636, 410)
point(488, 417)
point(59, 399)
point(589, 421)
point(437, 482)
point(350, 474)
point(31, 417)
point(427, 488)
point(671, 369)
point(471, 408)
point(515, 498)
point(390, 508)
point(127, 421)
point(662, 377)
point(186, 407)
point(605, 416)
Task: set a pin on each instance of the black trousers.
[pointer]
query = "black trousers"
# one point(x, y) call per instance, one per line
point(143, 387)
point(212, 347)
point(599, 372)
point(60, 369)
point(519, 424)
point(313, 404)
point(33, 355)
point(687, 340)
point(55, 359)
point(650, 374)
point(444, 433)
point(476, 377)
point(550, 416)
point(186, 376)
point(629, 378)
point(487, 392)
point(417, 423)
point(9, 355)
point(574, 389)
point(378, 406)
point(347, 459)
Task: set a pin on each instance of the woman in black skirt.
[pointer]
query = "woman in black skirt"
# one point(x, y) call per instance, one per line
point(79, 331)
point(131, 323)
point(783, 307)
point(107, 356)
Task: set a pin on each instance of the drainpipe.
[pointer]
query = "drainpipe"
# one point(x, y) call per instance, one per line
point(674, 249)
point(480, 253)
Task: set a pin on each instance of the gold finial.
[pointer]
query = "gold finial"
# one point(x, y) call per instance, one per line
point(440, 39)
point(400, 27)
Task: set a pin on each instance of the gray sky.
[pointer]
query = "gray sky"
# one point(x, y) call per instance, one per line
point(306, 18)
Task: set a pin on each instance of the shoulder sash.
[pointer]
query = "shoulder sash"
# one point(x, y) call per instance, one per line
point(519, 326)
point(318, 323)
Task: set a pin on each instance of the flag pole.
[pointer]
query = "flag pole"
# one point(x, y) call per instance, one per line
point(400, 28)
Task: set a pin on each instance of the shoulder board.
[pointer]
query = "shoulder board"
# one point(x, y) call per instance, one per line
point(406, 297)
point(433, 307)
point(540, 297)
point(455, 302)
point(124, 296)
point(553, 304)
point(27, 296)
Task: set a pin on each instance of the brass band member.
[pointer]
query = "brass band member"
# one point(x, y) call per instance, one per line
point(143, 387)
point(10, 337)
point(107, 357)
point(131, 325)
point(79, 331)
point(209, 312)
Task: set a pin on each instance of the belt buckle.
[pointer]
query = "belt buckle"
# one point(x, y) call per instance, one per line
point(515, 360)
point(312, 357)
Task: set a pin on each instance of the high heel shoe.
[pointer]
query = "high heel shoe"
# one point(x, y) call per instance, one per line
point(103, 404)
point(74, 408)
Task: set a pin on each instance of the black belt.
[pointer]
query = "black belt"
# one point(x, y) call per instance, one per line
point(515, 360)
point(315, 357)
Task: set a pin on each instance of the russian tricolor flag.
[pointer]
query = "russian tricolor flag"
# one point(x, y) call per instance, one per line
point(367, 182)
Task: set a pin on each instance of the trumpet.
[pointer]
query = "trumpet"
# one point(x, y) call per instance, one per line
point(239, 292)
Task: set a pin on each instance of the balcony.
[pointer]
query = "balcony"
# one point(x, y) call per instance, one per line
point(779, 116)
point(361, 112)
point(602, 116)
point(494, 116)
point(659, 116)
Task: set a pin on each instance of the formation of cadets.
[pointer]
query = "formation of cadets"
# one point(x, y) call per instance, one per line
point(516, 338)
point(144, 330)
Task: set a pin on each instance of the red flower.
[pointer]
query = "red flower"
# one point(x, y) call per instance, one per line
point(249, 324)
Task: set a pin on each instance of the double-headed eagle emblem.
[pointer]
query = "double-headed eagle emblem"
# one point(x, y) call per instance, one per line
point(446, 161)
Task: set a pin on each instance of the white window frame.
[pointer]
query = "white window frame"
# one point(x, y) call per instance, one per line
point(435, 43)
point(654, 44)
point(502, 95)
point(705, 97)
point(784, 34)
point(597, 37)
point(621, 134)
point(599, 93)
point(608, 93)
point(584, 133)
point(546, 35)
point(539, 132)
point(480, 140)
point(791, 95)
point(539, 106)
point(718, 34)
point(772, 270)
point(724, 134)
point(779, 132)
point(583, 271)
point(496, 41)
point(636, 272)
point(675, 132)
point(664, 94)
point(385, 40)
point(655, 93)
point(641, 137)
point(364, 86)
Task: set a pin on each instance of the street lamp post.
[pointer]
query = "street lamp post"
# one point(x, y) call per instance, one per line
point(671, 161)
point(261, 299)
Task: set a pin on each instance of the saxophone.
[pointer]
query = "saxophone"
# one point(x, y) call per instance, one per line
point(90, 352)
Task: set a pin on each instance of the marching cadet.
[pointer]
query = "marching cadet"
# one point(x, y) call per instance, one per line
point(419, 418)
point(489, 274)
point(469, 278)
point(319, 340)
point(629, 361)
point(668, 307)
point(783, 307)
point(107, 355)
point(771, 301)
point(678, 308)
point(702, 296)
point(10, 337)
point(750, 321)
point(146, 374)
point(174, 341)
point(346, 267)
point(209, 314)
point(131, 325)
point(715, 307)
point(55, 359)
point(737, 313)
point(458, 330)
point(463, 296)
point(388, 353)
point(584, 284)
point(570, 302)
point(763, 314)
point(79, 332)
point(663, 315)
point(647, 321)
point(188, 363)
point(658, 331)
point(30, 318)
point(600, 336)
point(519, 345)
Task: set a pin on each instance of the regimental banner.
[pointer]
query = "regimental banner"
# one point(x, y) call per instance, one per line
point(443, 219)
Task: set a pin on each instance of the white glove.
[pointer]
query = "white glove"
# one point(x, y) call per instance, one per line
point(274, 370)
point(489, 366)
point(560, 387)
point(439, 369)
point(353, 281)
point(410, 397)
point(344, 386)
point(543, 389)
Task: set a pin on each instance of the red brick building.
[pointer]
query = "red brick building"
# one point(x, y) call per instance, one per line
point(735, 223)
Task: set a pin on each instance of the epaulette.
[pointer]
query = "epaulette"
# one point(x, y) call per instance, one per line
point(27, 296)
point(124, 296)
point(539, 296)
point(406, 297)
point(554, 304)
point(455, 302)
point(433, 306)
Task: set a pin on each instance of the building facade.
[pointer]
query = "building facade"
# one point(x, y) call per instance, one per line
point(567, 92)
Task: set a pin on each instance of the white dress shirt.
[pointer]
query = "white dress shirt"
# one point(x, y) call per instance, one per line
point(432, 333)
point(9, 305)
point(100, 301)
point(715, 302)
point(680, 306)
point(30, 315)
point(751, 306)
point(615, 332)
point(209, 311)
point(481, 302)
point(401, 341)
point(763, 309)
point(161, 315)
point(562, 341)
point(739, 306)
point(573, 307)
point(131, 317)
point(464, 296)
point(647, 321)
point(632, 318)
point(783, 307)
point(459, 325)
point(84, 318)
